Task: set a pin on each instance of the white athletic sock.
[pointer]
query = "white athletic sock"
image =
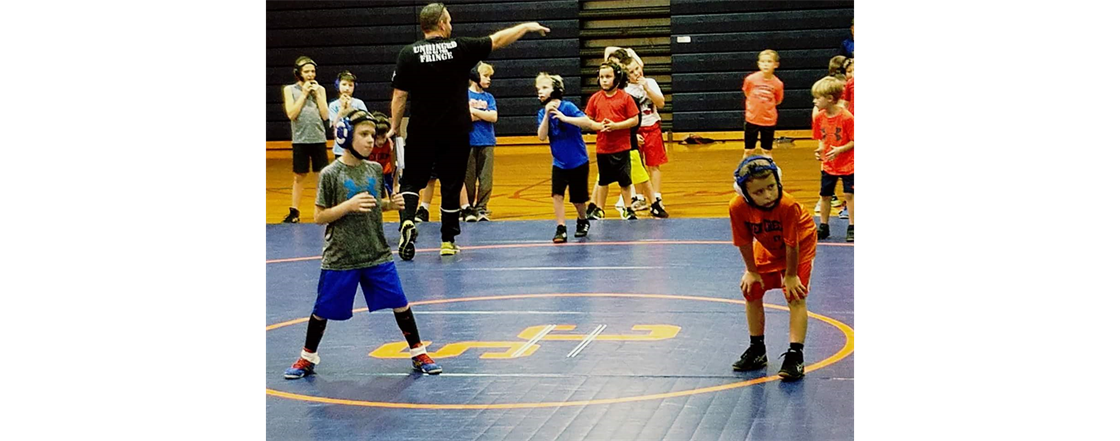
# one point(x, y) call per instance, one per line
point(417, 351)
point(464, 207)
point(656, 196)
point(309, 356)
point(426, 205)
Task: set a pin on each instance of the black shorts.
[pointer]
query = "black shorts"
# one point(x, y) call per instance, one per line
point(302, 154)
point(828, 183)
point(575, 180)
point(614, 167)
point(751, 133)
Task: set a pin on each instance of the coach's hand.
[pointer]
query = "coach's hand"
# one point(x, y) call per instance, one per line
point(536, 27)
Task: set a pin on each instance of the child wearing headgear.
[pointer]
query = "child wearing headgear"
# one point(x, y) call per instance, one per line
point(614, 112)
point(350, 202)
point(559, 122)
point(775, 236)
point(480, 163)
point(345, 84)
point(305, 104)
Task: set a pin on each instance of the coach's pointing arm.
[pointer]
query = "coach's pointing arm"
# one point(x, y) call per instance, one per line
point(506, 37)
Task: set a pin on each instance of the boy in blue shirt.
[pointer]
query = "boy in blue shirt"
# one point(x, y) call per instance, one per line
point(559, 122)
point(480, 163)
point(345, 83)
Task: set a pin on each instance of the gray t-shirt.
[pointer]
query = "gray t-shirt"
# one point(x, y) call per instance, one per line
point(308, 127)
point(356, 240)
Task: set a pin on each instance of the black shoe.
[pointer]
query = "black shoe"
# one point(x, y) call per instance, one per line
point(754, 358)
point(561, 234)
point(822, 231)
point(793, 367)
point(591, 212)
point(293, 216)
point(657, 210)
point(851, 233)
point(483, 215)
point(421, 215)
point(582, 227)
point(594, 213)
point(469, 214)
point(407, 247)
point(630, 214)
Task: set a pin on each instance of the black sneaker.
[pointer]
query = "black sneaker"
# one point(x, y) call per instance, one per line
point(469, 214)
point(582, 227)
point(590, 212)
point(851, 233)
point(484, 215)
point(630, 214)
point(822, 231)
point(594, 213)
point(793, 367)
point(407, 247)
point(657, 210)
point(561, 234)
point(293, 216)
point(421, 215)
point(754, 358)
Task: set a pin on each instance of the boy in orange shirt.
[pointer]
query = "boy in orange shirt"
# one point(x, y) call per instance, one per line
point(834, 128)
point(763, 92)
point(774, 234)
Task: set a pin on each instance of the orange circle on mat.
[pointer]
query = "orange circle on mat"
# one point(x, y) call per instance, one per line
point(849, 347)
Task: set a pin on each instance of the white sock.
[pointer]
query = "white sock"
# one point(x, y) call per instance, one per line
point(417, 351)
point(309, 356)
point(620, 201)
point(426, 205)
point(656, 196)
point(464, 207)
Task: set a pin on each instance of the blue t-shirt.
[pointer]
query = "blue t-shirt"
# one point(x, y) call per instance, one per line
point(566, 141)
point(848, 47)
point(482, 132)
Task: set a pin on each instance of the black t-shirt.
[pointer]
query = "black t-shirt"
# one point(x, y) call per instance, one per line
point(436, 74)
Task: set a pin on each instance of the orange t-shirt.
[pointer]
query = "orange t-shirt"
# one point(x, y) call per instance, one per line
point(771, 231)
point(850, 95)
point(382, 155)
point(617, 108)
point(762, 99)
point(836, 131)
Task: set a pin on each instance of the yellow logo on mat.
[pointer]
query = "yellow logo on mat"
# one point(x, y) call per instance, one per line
point(518, 349)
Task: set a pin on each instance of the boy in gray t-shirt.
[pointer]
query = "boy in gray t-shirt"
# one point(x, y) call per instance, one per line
point(356, 251)
point(305, 103)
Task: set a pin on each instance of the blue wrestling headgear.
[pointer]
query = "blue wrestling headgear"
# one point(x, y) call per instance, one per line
point(753, 167)
point(344, 130)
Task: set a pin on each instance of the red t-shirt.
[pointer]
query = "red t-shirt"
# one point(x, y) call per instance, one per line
point(617, 108)
point(382, 155)
point(771, 231)
point(836, 131)
point(850, 94)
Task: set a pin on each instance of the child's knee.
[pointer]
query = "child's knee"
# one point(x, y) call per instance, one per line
point(403, 308)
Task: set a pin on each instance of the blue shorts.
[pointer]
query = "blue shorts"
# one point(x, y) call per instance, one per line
point(387, 182)
point(380, 284)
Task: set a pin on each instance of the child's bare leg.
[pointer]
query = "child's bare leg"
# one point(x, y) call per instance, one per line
point(756, 320)
point(646, 188)
point(655, 178)
point(558, 208)
point(581, 210)
point(297, 189)
point(627, 193)
point(798, 321)
point(600, 195)
point(463, 202)
point(826, 209)
point(428, 192)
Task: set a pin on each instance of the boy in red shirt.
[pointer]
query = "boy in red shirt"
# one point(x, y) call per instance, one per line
point(775, 236)
point(615, 112)
point(834, 128)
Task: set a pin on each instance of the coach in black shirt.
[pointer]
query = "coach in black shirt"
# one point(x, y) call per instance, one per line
point(434, 73)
